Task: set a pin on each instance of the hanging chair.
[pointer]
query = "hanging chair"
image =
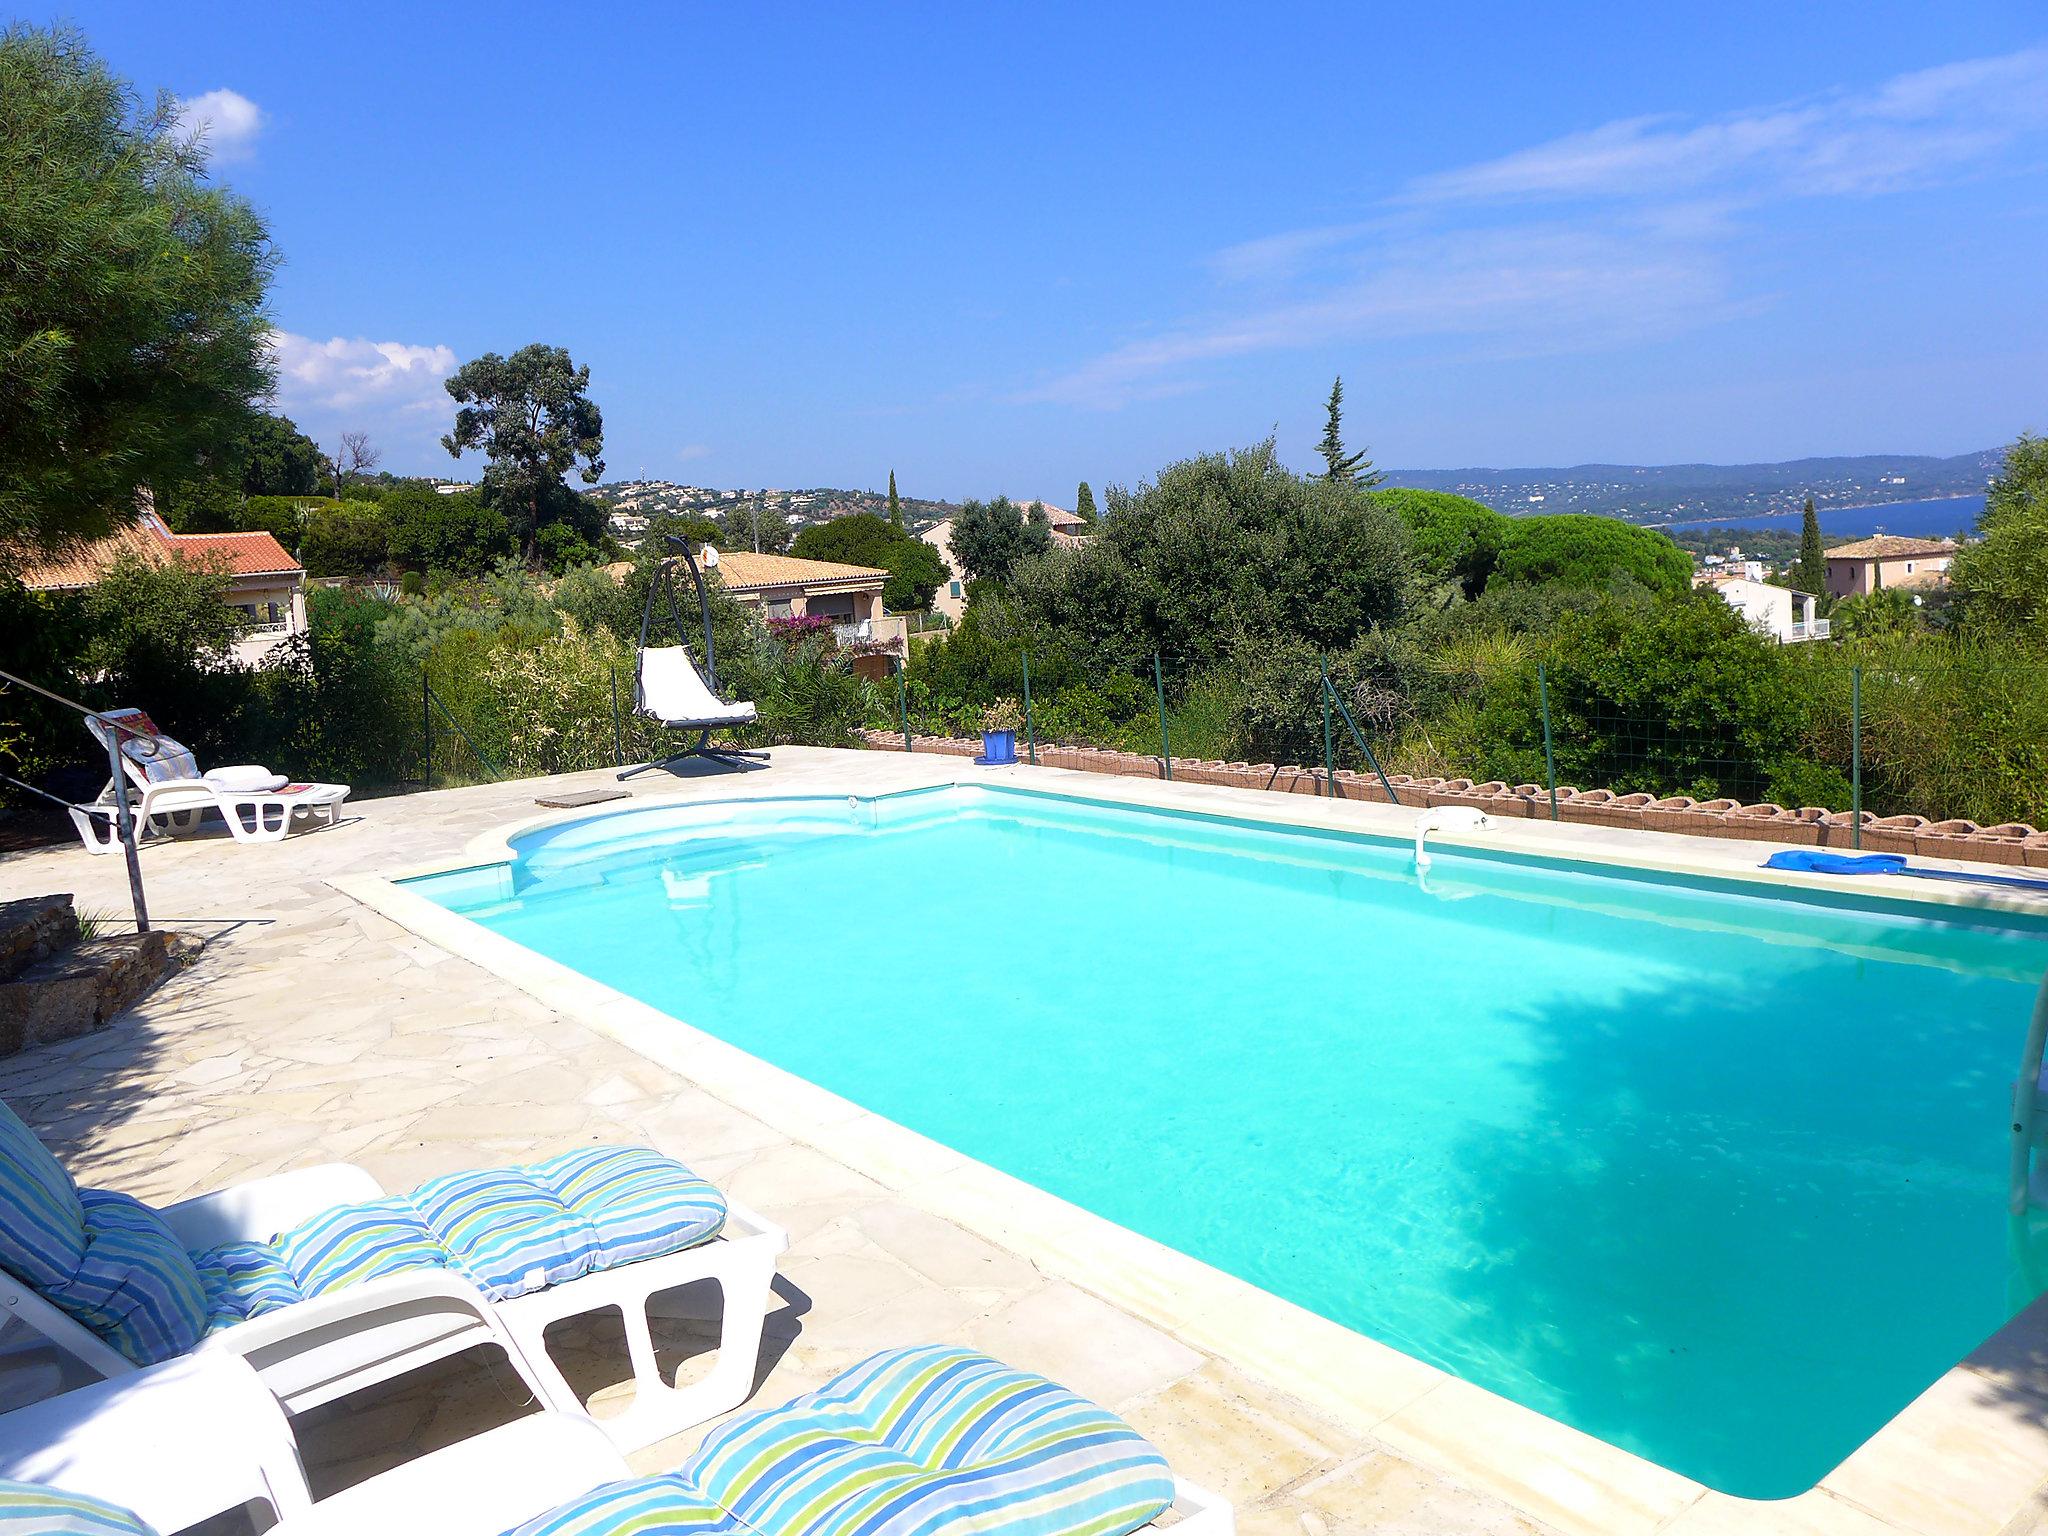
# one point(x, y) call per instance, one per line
point(667, 687)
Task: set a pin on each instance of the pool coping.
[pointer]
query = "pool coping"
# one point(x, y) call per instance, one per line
point(1965, 1456)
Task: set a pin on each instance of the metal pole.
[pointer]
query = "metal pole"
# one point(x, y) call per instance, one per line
point(618, 730)
point(1549, 757)
point(902, 707)
point(1364, 746)
point(1030, 733)
point(1165, 742)
point(1329, 742)
point(127, 819)
point(426, 732)
point(1855, 757)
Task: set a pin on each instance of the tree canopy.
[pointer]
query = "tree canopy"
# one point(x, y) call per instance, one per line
point(2002, 580)
point(1221, 548)
point(1084, 503)
point(914, 567)
point(132, 318)
point(1810, 572)
point(1343, 467)
point(990, 538)
point(458, 533)
point(1457, 541)
point(1577, 549)
point(532, 416)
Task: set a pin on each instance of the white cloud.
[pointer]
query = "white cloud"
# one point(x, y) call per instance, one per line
point(226, 120)
point(1649, 250)
point(1548, 289)
point(691, 451)
point(1913, 128)
point(342, 374)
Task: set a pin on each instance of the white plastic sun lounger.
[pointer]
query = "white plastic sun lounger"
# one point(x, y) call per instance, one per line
point(258, 806)
point(314, 1351)
point(191, 1440)
point(182, 1442)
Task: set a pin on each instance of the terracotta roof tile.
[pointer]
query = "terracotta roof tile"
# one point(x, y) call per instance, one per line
point(1890, 546)
point(148, 540)
point(744, 571)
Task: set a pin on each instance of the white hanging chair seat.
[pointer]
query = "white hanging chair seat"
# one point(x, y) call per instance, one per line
point(672, 691)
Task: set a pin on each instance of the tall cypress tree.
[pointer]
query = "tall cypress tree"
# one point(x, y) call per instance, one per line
point(1811, 573)
point(1344, 468)
point(895, 506)
point(1084, 503)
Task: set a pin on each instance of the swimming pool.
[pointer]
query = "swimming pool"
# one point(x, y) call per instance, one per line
point(1710, 1170)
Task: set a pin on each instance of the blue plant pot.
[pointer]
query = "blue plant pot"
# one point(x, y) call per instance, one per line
point(998, 746)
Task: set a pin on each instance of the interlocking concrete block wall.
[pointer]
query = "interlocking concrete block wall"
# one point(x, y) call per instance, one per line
point(2016, 843)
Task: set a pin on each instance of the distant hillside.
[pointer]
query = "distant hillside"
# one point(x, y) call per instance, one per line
point(1662, 493)
point(650, 498)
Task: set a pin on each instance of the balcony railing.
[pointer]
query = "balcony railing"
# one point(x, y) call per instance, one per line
point(1819, 629)
point(889, 633)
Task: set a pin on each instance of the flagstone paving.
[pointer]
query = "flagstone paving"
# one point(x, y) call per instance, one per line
point(314, 1029)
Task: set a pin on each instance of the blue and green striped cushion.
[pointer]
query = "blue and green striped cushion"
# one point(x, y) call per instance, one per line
point(136, 1288)
point(640, 1506)
point(934, 1442)
point(244, 1280)
point(42, 1225)
point(508, 1230)
point(30, 1509)
point(354, 1243)
point(101, 1257)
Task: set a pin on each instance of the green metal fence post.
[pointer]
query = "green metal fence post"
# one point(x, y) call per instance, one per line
point(1855, 757)
point(902, 706)
point(618, 730)
point(426, 733)
point(1549, 757)
point(1329, 744)
point(1030, 732)
point(1165, 742)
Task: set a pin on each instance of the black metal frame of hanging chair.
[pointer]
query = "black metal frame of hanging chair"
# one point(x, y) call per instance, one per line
point(663, 581)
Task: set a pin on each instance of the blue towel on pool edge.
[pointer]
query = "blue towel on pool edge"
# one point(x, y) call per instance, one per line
point(1813, 861)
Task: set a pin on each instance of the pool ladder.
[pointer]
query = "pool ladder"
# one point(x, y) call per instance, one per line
point(2030, 1108)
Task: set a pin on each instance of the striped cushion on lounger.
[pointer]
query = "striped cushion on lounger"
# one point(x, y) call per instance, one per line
point(102, 1257)
point(30, 1509)
point(507, 1230)
point(42, 1225)
point(934, 1442)
point(640, 1506)
point(354, 1243)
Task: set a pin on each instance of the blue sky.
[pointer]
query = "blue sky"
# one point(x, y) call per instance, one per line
point(1007, 247)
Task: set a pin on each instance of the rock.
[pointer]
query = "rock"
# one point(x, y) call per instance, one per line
point(32, 928)
point(82, 988)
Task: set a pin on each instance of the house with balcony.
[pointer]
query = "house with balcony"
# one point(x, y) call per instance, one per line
point(1888, 560)
point(264, 581)
point(1786, 615)
point(848, 596)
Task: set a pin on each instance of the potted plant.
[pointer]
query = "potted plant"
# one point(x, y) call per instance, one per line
point(999, 724)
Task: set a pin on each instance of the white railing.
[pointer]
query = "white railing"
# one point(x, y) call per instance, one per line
point(1819, 629)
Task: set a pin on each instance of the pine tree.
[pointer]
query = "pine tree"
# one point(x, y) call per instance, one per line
point(1344, 468)
point(1084, 503)
point(895, 506)
point(1811, 573)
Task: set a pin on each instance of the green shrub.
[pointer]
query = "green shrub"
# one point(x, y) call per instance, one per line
point(1579, 550)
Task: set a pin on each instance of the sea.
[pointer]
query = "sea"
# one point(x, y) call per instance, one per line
point(1941, 518)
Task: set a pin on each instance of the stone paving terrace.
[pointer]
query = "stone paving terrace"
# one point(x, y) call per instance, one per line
point(312, 1029)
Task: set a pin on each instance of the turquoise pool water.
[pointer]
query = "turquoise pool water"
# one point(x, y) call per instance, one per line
point(1712, 1174)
